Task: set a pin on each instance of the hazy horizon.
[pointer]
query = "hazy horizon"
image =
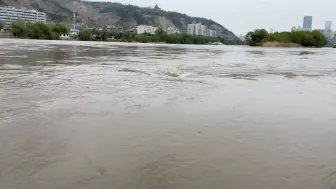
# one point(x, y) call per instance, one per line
point(240, 17)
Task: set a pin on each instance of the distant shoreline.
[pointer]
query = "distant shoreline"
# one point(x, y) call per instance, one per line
point(260, 37)
point(110, 41)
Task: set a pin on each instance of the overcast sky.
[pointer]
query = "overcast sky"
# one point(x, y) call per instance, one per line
point(240, 16)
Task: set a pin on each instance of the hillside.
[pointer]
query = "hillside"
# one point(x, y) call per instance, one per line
point(100, 14)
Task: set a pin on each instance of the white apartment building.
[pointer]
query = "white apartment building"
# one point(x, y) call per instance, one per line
point(171, 30)
point(211, 33)
point(204, 30)
point(11, 14)
point(141, 29)
point(191, 29)
point(214, 33)
point(199, 29)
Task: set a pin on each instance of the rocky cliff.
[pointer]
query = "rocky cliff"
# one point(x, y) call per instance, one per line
point(100, 14)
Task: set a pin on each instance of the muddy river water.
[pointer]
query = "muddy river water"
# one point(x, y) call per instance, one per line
point(92, 115)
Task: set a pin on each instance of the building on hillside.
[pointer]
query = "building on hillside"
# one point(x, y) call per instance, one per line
point(113, 28)
point(204, 30)
point(198, 29)
point(191, 29)
point(157, 7)
point(327, 27)
point(142, 29)
point(214, 33)
point(307, 23)
point(211, 33)
point(11, 14)
point(171, 30)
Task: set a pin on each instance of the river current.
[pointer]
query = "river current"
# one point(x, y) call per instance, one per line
point(84, 115)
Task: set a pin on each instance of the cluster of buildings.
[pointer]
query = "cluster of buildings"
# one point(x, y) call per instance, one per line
point(199, 29)
point(145, 29)
point(192, 29)
point(171, 30)
point(308, 26)
point(11, 14)
point(8, 15)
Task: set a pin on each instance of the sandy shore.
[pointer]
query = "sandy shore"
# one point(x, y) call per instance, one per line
point(280, 44)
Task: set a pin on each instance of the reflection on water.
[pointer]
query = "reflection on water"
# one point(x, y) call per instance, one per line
point(124, 115)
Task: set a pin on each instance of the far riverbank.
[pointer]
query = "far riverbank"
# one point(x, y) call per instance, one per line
point(260, 37)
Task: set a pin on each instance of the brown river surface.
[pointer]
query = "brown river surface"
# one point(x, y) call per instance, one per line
point(92, 115)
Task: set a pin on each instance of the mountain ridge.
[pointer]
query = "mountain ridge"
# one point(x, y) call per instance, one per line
point(100, 14)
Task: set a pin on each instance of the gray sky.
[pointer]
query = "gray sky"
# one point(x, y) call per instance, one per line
point(240, 16)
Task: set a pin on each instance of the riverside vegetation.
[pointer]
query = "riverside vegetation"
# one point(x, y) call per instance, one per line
point(37, 30)
point(261, 37)
point(40, 30)
point(160, 36)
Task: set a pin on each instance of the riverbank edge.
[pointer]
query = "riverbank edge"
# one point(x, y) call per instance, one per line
point(280, 44)
point(110, 41)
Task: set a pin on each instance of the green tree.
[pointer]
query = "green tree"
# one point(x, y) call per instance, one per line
point(45, 29)
point(304, 38)
point(19, 28)
point(60, 28)
point(254, 38)
point(37, 30)
point(34, 32)
point(319, 40)
point(85, 35)
point(105, 35)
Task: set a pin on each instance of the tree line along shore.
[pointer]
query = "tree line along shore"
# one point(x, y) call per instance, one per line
point(261, 37)
point(21, 29)
point(258, 37)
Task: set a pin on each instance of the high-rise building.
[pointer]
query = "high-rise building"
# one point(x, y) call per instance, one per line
point(214, 33)
point(294, 28)
point(11, 14)
point(307, 23)
point(198, 29)
point(204, 30)
point(191, 29)
point(271, 30)
point(327, 27)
